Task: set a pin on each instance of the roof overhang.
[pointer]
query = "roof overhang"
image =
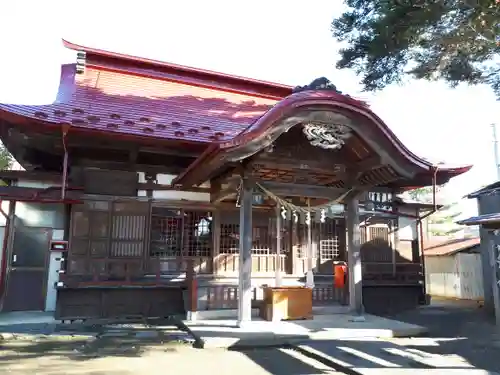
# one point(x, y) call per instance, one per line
point(492, 188)
point(486, 219)
point(319, 106)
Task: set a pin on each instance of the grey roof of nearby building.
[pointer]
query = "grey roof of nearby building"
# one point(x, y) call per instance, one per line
point(481, 219)
point(451, 247)
point(488, 189)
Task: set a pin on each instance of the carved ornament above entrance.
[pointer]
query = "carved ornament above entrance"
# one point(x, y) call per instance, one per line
point(327, 136)
point(321, 83)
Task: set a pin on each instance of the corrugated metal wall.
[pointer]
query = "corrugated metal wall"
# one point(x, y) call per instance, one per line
point(455, 276)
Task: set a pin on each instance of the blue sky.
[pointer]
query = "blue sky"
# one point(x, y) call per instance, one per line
point(281, 41)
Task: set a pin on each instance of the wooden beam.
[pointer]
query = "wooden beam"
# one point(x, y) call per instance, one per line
point(217, 196)
point(87, 144)
point(123, 166)
point(264, 160)
point(302, 190)
point(48, 195)
point(31, 176)
point(160, 187)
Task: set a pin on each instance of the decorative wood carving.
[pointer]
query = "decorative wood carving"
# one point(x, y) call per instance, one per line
point(327, 136)
point(321, 83)
point(294, 147)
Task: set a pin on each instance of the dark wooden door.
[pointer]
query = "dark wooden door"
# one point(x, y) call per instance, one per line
point(27, 271)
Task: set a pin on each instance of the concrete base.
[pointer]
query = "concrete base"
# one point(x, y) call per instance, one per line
point(27, 317)
point(232, 314)
point(258, 333)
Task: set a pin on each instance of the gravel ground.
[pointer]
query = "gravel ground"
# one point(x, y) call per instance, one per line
point(456, 328)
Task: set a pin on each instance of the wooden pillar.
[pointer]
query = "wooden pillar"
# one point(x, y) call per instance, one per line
point(215, 241)
point(192, 291)
point(354, 256)
point(310, 266)
point(245, 263)
point(277, 275)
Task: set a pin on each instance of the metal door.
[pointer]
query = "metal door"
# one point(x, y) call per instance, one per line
point(27, 271)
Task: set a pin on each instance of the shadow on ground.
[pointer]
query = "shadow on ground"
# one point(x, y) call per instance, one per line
point(460, 328)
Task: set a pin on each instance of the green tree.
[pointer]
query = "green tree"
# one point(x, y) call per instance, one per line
point(443, 222)
point(6, 159)
point(423, 194)
point(452, 40)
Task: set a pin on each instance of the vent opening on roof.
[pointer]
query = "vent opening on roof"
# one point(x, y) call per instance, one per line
point(41, 114)
point(148, 130)
point(193, 131)
point(78, 111)
point(144, 119)
point(115, 116)
point(129, 122)
point(179, 134)
point(94, 119)
point(60, 113)
point(161, 126)
point(176, 123)
point(111, 125)
point(206, 128)
point(77, 121)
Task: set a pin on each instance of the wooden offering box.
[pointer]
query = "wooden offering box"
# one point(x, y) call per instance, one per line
point(287, 303)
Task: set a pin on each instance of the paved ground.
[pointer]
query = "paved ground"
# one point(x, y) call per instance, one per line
point(114, 357)
point(456, 329)
point(461, 340)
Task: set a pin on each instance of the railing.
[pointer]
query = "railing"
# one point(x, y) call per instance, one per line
point(215, 297)
point(229, 263)
point(390, 273)
point(202, 265)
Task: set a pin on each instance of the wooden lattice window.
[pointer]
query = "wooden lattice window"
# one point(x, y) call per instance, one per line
point(263, 239)
point(180, 233)
point(332, 240)
point(376, 246)
point(102, 231)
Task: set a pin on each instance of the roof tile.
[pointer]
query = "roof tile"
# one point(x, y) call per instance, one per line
point(146, 106)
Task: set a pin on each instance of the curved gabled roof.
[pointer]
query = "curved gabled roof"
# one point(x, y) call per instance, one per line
point(286, 114)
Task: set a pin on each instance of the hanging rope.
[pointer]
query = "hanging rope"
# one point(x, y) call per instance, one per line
point(301, 209)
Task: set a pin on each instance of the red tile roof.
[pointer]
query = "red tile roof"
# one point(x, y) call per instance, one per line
point(122, 102)
point(450, 247)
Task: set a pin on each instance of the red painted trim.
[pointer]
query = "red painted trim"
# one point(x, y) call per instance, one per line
point(187, 69)
point(184, 82)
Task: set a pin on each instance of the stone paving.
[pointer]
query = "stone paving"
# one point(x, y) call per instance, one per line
point(456, 328)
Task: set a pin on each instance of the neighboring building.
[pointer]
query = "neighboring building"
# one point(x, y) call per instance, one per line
point(488, 219)
point(453, 269)
point(143, 172)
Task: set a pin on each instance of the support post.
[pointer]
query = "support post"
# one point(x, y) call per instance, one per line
point(494, 253)
point(310, 273)
point(354, 257)
point(192, 290)
point(277, 271)
point(245, 263)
